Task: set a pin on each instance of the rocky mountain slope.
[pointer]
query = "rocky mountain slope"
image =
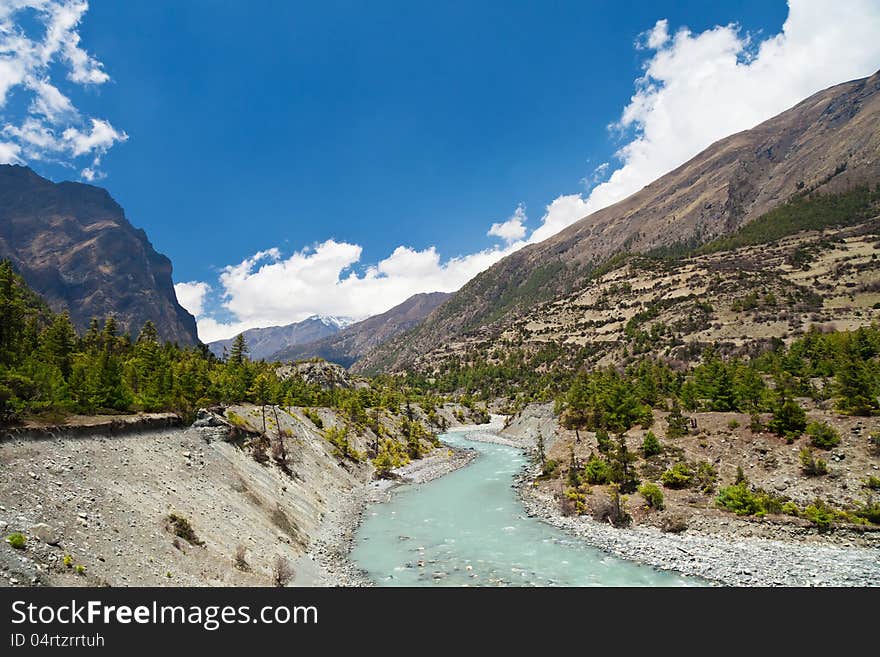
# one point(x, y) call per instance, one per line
point(207, 505)
point(351, 343)
point(73, 245)
point(264, 342)
point(829, 143)
point(736, 299)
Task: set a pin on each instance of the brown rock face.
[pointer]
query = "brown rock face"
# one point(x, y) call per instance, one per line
point(73, 245)
point(828, 142)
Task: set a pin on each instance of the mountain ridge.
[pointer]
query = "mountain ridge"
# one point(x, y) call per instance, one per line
point(827, 142)
point(75, 247)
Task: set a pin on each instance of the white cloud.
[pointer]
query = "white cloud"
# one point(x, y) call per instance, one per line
point(192, 296)
point(51, 128)
point(268, 289)
point(696, 89)
point(699, 88)
point(513, 229)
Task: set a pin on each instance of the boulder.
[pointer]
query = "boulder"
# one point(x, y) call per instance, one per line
point(45, 533)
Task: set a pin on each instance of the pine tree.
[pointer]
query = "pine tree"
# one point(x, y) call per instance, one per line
point(239, 352)
point(676, 423)
point(58, 342)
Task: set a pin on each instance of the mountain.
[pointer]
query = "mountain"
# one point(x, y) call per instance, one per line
point(73, 245)
point(350, 344)
point(264, 342)
point(828, 143)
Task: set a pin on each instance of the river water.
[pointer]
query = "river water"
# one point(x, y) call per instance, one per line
point(469, 528)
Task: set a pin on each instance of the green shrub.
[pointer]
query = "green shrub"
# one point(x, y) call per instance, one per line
point(576, 497)
point(17, 540)
point(551, 466)
point(790, 509)
point(705, 477)
point(820, 514)
point(872, 482)
point(391, 455)
point(810, 465)
point(870, 511)
point(733, 424)
point(744, 501)
point(603, 441)
point(650, 445)
point(678, 476)
point(596, 471)
point(652, 494)
point(789, 419)
point(822, 435)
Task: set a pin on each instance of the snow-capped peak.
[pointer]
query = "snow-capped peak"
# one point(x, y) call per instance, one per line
point(331, 320)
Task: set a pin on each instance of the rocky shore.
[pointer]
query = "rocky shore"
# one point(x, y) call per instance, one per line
point(724, 559)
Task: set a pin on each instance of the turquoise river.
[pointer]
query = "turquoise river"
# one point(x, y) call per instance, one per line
point(470, 528)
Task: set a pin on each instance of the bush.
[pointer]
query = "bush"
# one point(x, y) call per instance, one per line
point(596, 471)
point(790, 509)
point(820, 514)
point(612, 509)
point(650, 445)
point(282, 571)
point(733, 424)
point(705, 477)
point(789, 419)
point(653, 495)
point(550, 468)
point(743, 501)
point(678, 476)
point(603, 441)
point(812, 466)
point(872, 482)
point(822, 436)
point(17, 540)
point(870, 511)
point(577, 498)
point(181, 527)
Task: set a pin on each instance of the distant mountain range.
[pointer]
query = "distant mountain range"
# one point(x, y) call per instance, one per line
point(347, 346)
point(828, 143)
point(73, 245)
point(263, 343)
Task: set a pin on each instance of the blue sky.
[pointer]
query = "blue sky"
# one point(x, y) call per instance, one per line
point(243, 128)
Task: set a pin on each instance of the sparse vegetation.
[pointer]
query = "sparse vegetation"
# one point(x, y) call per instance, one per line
point(681, 475)
point(822, 435)
point(282, 571)
point(652, 495)
point(17, 540)
point(239, 558)
point(181, 527)
point(810, 465)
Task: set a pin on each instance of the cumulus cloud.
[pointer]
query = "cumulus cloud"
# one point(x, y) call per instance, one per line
point(269, 289)
point(700, 87)
point(513, 229)
point(696, 89)
point(50, 127)
point(192, 296)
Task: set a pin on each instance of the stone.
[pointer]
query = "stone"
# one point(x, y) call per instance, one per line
point(45, 533)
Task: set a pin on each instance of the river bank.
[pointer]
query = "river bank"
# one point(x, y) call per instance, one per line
point(719, 547)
